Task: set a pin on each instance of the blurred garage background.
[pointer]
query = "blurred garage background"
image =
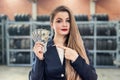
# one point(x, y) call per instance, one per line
point(98, 22)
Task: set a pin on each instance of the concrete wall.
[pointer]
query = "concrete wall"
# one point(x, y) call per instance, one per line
point(111, 7)
point(10, 7)
point(77, 6)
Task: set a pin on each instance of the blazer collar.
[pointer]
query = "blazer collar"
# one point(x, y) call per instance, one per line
point(50, 43)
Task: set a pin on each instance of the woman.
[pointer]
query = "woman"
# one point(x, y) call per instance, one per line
point(65, 58)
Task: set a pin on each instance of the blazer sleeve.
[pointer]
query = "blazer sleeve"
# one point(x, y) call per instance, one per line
point(87, 72)
point(37, 72)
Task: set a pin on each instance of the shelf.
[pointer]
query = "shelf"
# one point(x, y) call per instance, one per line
point(106, 37)
point(106, 51)
point(106, 66)
point(28, 22)
point(22, 65)
point(91, 51)
point(103, 51)
point(41, 23)
point(19, 37)
point(100, 37)
point(19, 22)
point(90, 37)
point(20, 50)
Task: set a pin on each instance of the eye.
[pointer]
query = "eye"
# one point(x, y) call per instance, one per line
point(68, 21)
point(58, 21)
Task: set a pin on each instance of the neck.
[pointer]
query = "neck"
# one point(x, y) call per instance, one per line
point(59, 40)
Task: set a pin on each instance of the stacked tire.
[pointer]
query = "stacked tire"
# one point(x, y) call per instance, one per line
point(3, 17)
point(89, 44)
point(20, 58)
point(20, 44)
point(0, 45)
point(106, 30)
point(44, 27)
point(100, 17)
point(86, 29)
point(106, 44)
point(43, 18)
point(19, 30)
point(81, 17)
point(0, 57)
point(22, 17)
point(0, 30)
point(104, 59)
point(0, 37)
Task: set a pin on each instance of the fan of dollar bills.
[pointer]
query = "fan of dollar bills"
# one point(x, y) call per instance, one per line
point(41, 35)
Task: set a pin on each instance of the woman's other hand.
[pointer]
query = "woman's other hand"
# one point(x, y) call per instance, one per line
point(69, 53)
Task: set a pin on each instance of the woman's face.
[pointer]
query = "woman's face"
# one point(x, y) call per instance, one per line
point(61, 24)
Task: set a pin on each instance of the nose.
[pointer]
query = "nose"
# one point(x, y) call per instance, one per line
point(64, 23)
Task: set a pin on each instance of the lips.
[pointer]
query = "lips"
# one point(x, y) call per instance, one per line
point(64, 29)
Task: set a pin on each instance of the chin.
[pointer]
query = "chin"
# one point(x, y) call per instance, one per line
point(64, 34)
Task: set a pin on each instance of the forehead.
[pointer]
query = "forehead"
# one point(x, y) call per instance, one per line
point(62, 15)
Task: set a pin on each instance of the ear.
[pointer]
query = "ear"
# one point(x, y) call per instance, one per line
point(51, 24)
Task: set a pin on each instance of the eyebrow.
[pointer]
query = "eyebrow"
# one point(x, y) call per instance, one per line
point(68, 17)
point(58, 18)
point(61, 18)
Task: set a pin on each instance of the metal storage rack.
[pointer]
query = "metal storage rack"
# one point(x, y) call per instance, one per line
point(21, 54)
point(102, 45)
point(19, 43)
point(1, 42)
point(87, 32)
point(117, 60)
point(108, 47)
point(91, 34)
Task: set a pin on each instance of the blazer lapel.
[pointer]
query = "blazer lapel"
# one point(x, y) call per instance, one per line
point(54, 54)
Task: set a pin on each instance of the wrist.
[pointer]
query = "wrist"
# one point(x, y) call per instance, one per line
point(75, 57)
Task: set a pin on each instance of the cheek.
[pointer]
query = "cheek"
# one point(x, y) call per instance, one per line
point(69, 28)
point(57, 27)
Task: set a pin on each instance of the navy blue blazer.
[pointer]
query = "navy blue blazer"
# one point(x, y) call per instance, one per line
point(51, 68)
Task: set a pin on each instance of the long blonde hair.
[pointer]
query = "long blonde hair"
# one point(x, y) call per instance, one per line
point(73, 41)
